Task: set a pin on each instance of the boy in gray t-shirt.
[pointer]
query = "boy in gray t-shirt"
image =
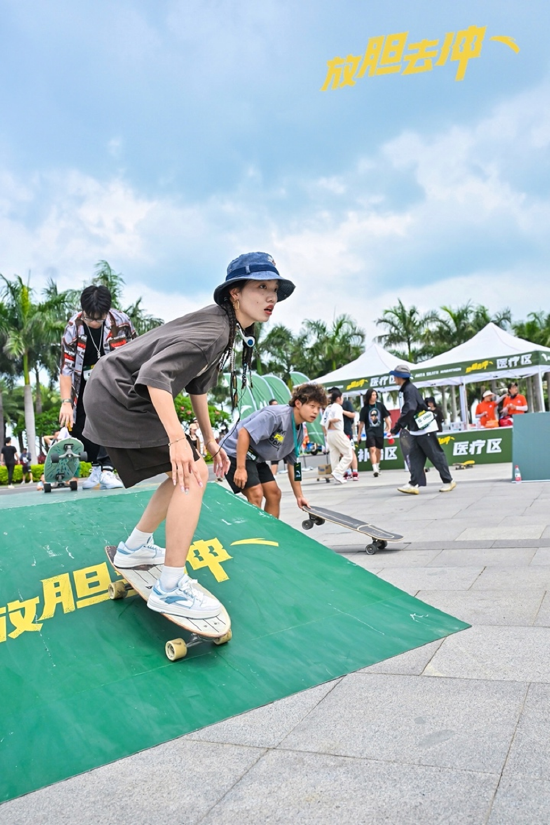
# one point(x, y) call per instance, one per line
point(271, 434)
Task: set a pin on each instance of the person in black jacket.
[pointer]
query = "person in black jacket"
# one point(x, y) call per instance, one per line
point(425, 443)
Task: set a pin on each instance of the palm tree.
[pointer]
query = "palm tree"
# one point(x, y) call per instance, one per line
point(141, 320)
point(279, 347)
point(536, 329)
point(405, 331)
point(320, 349)
point(106, 276)
point(30, 333)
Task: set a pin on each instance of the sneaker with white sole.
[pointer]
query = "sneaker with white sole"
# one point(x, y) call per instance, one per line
point(339, 478)
point(448, 487)
point(148, 553)
point(411, 489)
point(93, 479)
point(109, 481)
point(185, 600)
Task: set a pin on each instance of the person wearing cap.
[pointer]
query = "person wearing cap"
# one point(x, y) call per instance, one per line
point(486, 410)
point(514, 403)
point(425, 444)
point(130, 409)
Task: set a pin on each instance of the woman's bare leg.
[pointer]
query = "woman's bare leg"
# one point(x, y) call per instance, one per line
point(272, 495)
point(181, 511)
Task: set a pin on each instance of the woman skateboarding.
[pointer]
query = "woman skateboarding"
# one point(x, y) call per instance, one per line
point(130, 409)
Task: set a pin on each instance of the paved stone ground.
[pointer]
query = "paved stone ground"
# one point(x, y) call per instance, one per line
point(455, 732)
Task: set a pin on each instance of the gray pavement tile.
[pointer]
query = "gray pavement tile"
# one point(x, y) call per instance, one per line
point(411, 663)
point(502, 543)
point(170, 784)
point(543, 616)
point(521, 801)
point(504, 531)
point(453, 545)
point(393, 558)
point(486, 557)
point(449, 723)
point(412, 579)
point(541, 557)
point(546, 533)
point(523, 578)
point(265, 727)
point(487, 607)
point(530, 754)
point(314, 789)
point(518, 654)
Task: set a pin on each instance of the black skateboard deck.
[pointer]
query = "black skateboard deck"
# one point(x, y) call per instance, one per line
point(318, 516)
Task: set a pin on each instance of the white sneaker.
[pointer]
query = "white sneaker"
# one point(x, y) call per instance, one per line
point(109, 481)
point(412, 489)
point(40, 485)
point(11, 487)
point(148, 553)
point(93, 479)
point(339, 478)
point(185, 600)
point(448, 487)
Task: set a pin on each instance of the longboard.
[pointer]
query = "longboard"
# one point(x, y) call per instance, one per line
point(62, 463)
point(318, 516)
point(464, 465)
point(141, 580)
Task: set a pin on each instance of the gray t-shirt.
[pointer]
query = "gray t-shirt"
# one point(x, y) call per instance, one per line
point(270, 431)
point(182, 354)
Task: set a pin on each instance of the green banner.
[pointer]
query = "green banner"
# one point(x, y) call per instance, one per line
point(482, 446)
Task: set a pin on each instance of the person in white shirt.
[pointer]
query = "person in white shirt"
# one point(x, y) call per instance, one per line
point(341, 451)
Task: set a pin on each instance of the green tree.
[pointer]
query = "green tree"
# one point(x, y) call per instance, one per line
point(535, 329)
point(31, 330)
point(405, 331)
point(141, 319)
point(320, 348)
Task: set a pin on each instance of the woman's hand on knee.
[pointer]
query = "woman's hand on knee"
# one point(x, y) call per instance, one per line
point(183, 465)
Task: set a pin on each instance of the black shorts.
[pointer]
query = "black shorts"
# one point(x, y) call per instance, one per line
point(135, 464)
point(375, 441)
point(259, 472)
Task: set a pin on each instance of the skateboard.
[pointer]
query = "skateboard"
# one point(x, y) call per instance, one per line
point(62, 463)
point(464, 465)
point(380, 538)
point(141, 580)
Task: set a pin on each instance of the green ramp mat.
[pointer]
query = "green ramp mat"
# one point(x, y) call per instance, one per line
point(85, 680)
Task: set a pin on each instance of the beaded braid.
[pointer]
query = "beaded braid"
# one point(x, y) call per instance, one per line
point(229, 353)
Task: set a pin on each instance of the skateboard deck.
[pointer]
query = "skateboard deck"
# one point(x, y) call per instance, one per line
point(318, 515)
point(62, 463)
point(141, 580)
point(464, 465)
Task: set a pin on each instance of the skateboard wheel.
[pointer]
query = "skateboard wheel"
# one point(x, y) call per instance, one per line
point(371, 549)
point(307, 525)
point(319, 521)
point(83, 456)
point(222, 640)
point(73, 485)
point(382, 544)
point(47, 487)
point(55, 458)
point(176, 649)
point(117, 590)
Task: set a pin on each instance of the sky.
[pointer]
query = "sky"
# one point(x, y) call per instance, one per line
point(169, 136)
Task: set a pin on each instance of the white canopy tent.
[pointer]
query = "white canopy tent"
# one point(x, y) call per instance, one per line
point(371, 369)
point(491, 354)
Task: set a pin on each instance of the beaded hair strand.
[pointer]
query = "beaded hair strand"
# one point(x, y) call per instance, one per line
point(229, 353)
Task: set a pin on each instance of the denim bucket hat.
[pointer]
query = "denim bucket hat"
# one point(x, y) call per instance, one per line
point(255, 266)
point(401, 371)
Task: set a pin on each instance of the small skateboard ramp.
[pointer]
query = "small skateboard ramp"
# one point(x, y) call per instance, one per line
point(85, 680)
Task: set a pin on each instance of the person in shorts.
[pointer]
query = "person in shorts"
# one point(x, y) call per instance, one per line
point(130, 409)
point(270, 435)
point(372, 418)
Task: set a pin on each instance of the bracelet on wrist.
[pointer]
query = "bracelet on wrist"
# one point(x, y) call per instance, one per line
point(66, 400)
point(176, 440)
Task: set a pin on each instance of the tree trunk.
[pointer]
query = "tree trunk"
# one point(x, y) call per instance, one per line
point(444, 402)
point(530, 394)
point(29, 422)
point(38, 391)
point(453, 403)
